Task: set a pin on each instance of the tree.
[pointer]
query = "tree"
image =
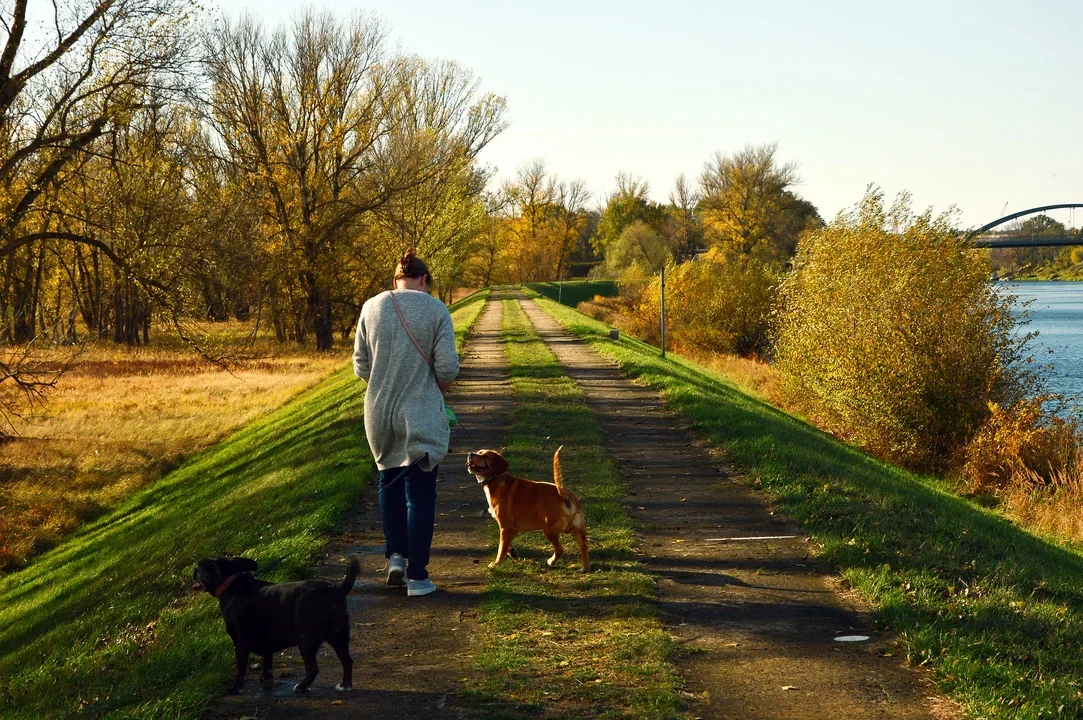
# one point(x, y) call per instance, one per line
point(327, 128)
point(640, 247)
point(571, 219)
point(748, 205)
point(683, 225)
point(64, 93)
point(628, 204)
point(107, 60)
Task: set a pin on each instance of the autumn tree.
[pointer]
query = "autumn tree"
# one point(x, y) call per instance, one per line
point(628, 204)
point(327, 128)
point(66, 86)
point(749, 206)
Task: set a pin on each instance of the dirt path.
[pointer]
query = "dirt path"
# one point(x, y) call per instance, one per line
point(761, 614)
point(410, 654)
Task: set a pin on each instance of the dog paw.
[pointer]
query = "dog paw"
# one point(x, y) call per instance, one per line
point(298, 688)
point(344, 688)
point(492, 565)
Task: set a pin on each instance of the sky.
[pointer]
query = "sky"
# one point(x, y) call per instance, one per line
point(971, 104)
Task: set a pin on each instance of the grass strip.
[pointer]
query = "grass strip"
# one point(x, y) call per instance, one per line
point(994, 611)
point(557, 642)
point(105, 623)
point(574, 292)
point(465, 313)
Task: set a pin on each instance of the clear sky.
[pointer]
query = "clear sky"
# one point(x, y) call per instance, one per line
point(976, 104)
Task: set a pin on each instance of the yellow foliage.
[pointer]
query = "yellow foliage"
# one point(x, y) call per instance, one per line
point(892, 336)
point(718, 304)
point(1020, 444)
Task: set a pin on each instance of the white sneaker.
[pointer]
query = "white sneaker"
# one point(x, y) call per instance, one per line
point(419, 587)
point(396, 569)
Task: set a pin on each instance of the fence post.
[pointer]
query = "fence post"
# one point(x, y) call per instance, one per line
point(663, 310)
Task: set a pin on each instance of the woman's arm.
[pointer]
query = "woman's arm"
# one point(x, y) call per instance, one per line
point(361, 365)
point(445, 359)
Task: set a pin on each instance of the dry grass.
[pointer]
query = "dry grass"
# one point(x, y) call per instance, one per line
point(1048, 505)
point(755, 377)
point(120, 419)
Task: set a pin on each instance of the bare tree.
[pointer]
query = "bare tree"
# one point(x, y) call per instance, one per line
point(570, 200)
point(69, 86)
point(687, 230)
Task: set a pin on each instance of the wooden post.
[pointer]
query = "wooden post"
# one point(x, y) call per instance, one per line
point(663, 311)
point(560, 287)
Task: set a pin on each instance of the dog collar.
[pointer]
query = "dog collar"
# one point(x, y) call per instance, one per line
point(229, 581)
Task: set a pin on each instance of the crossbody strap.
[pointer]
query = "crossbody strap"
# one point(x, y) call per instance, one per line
point(406, 327)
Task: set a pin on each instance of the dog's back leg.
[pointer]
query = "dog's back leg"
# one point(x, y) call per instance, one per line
point(268, 667)
point(308, 654)
point(581, 538)
point(340, 642)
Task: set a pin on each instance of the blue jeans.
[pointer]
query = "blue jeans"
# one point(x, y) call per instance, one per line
point(408, 509)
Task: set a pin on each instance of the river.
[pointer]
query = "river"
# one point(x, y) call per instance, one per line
point(1056, 313)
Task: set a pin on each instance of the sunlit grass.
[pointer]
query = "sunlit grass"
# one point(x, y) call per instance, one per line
point(117, 421)
point(104, 624)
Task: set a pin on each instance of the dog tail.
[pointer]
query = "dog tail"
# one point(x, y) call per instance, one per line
point(353, 569)
point(558, 475)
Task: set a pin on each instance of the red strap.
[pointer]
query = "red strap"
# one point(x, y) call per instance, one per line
point(395, 302)
point(229, 581)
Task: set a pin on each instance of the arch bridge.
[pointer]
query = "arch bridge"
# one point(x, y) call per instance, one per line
point(983, 238)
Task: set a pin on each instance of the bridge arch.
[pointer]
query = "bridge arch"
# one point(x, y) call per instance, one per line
point(989, 242)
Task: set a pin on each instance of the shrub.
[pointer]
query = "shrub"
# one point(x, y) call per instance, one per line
point(892, 336)
point(1021, 445)
point(717, 304)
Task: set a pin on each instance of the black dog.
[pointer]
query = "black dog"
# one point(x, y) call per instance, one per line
point(263, 618)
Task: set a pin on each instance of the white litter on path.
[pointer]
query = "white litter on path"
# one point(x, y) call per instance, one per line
point(755, 537)
point(851, 638)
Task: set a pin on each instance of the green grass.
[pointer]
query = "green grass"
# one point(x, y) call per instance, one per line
point(465, 313)
point(995, 612)
point(556, 642)
point(576, 291)
point(106, 625)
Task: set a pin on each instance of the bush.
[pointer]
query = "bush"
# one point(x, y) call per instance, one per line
point(1022, 445)
point(716, 304)
point(892, 336)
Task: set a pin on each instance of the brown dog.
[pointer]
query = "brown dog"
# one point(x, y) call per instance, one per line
point(521, 505)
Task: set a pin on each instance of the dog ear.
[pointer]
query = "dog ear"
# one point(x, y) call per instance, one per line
point(497, 464)
point(243, 564)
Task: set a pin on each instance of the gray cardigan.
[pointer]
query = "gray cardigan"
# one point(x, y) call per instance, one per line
point(404, 408)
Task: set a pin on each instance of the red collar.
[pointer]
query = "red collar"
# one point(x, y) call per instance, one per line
point(229, 581)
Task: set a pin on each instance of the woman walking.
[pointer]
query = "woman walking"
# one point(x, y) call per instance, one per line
point(405, 350)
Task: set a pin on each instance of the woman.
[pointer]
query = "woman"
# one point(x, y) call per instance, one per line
point(405, 350)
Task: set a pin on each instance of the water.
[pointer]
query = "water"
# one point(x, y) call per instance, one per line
point(1057, 315)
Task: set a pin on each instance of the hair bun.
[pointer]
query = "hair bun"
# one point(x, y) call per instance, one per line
point(410, 265)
